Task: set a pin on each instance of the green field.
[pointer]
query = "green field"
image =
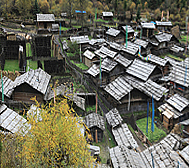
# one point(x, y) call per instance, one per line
point(152, 137)
point(184, 39)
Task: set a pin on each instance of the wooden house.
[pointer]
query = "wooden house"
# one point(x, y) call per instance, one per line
point(185, 131)
point(130, 31)
point(83, 41)
point(107, 16)
point(147, 29)
point(164, 26)
point(33, 83)
point(145, 47)
point(96, 124)
point(113, 35)
point(45, 21)
point(89, 57)
point(174, 110)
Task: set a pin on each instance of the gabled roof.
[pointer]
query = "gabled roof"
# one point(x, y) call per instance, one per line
point(113, 32)
point(94, 70)
point(163, 37)
point(129, 29)
point(123, 136)
point(142, 43)
point(103, 52)
point(95, 120)
point(148, 25)
point(131, 48)
point(178, 102)
point(113, 117)
point(45, 18)
point(12, 121)
point(140, 69)
point(80, 39)
point(122, 60)
point(7, 86)
point(166, 108)
point(158, 23)
point(176, 49)
point(108, 64)
point(172, 61)
point(157, 60)
point(89, 54)
point(115, 46)
point(118, 88)
point(180, 75)
point(107, 14)
point(37, 79)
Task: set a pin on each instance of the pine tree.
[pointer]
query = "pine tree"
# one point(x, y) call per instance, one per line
point(36, 8)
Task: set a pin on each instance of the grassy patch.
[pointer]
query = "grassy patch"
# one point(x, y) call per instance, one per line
point(90, 108)
point(101, 20)
point(184, 39)
point(77, 27)
point(28, 50)
point(70, 54)
point(33, 64)
point(174, 57)
point(80, 65)
point(65, 28)
point(152, 137)
point(114, 26)
point(11, 65)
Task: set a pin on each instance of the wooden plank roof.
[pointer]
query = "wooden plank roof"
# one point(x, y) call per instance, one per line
point(118, 88)
point(180, 75)
point(113, 32)
point(142, 43)
point(122, 60)
point(115, 45)
point(113, 117)
point(178, 102)
point(166, 108)
point(123, 136)
point(12, 121)
point(7, 86)
point(88, 54)
point(94, 70)
point(140, 69)
point(148, 25)
point(37, 79)
point(159, 23)
point(108, 64)
point(185, 154)
point(94, 119)
point(176, 49)
point(131, 48)
point(163, 37)
point(129, 29)
point(45, 18)
point(80, 39)
point(157, 60)
point(104, 52)
point(107, 14)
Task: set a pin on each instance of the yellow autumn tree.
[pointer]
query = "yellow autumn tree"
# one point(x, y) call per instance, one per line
point(54, 139)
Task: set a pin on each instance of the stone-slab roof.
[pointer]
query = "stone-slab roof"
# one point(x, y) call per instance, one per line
point(88, 54)
point(158, 23)
point(142, 43)
point(107, 14)
point(108, 64)
point(45, 18)
point(129, 29)
point(94, 70)
point(163, 37)
point(80, 39)
point(122, 60)
point(176, 49)
point(104, 52)
point(157, 60)
point(148, 25)
point(113, 32)
point(131, 48)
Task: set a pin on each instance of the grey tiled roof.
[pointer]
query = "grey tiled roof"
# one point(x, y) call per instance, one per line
point(113, 117)
point(107, 13)
point(108, 64)
point(118, 88)
point(142, 43)
point(163, 37)
point(148, 25)
point(45, 18)
point(89, 54)
point(140, 69)
point(129, 29)
point(157, 60)
point(93, 120)
point(178, 102)
point(158, 23)
point(113, 32)
point(80, 39)
point(94, 70)
point(122, 60)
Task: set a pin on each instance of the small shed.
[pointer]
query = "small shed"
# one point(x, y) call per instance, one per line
point(147, 29)
point(114, 35)
point(164, 26)
point(96, 124)
point(89, 57)
point(107, 15)
point(130, 31)
point(45, 21)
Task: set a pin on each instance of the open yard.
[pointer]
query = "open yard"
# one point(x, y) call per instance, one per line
point(152, 136)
